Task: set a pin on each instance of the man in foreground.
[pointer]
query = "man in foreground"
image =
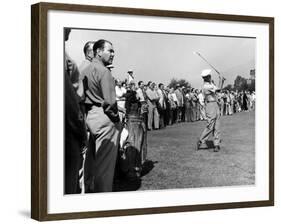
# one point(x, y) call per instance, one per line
point(102, 120)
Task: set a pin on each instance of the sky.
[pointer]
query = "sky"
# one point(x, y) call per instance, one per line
point(159, 57)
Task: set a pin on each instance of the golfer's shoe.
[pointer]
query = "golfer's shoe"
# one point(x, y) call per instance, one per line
point(217, 148)
point(201, 145)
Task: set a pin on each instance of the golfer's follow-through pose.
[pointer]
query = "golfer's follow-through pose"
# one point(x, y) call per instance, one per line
point(212, 113)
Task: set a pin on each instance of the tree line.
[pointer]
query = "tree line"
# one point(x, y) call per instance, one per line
point(240, 84)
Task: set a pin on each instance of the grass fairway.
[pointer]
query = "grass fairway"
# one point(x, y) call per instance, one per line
point(174, 162)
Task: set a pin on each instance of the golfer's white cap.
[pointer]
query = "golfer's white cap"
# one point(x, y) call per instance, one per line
point(206, 72)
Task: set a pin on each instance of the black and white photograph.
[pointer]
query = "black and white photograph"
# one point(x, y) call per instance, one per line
point(147, 111)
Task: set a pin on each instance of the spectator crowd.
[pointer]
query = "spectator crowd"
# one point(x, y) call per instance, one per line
point(163, 105)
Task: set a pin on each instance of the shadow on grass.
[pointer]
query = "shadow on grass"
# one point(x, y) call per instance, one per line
point(210, 145)
point(147, 167)
point(122, 183)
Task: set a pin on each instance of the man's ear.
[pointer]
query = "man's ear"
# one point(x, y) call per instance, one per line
point(99, 51)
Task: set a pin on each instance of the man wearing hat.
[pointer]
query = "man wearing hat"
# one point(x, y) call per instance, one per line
point(130, 76)
point(212, 112)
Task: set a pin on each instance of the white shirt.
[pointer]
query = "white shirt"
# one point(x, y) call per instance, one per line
point(174, 96)
point(161, 97)
point(130, 78)
point(209, 91)
point(120, 91)
point(140, 94)
point(201, 98)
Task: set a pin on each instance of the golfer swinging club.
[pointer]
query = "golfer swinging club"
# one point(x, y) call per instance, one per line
point(212, 113)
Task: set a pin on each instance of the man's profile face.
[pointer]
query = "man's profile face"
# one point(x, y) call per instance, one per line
point(107, 54)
